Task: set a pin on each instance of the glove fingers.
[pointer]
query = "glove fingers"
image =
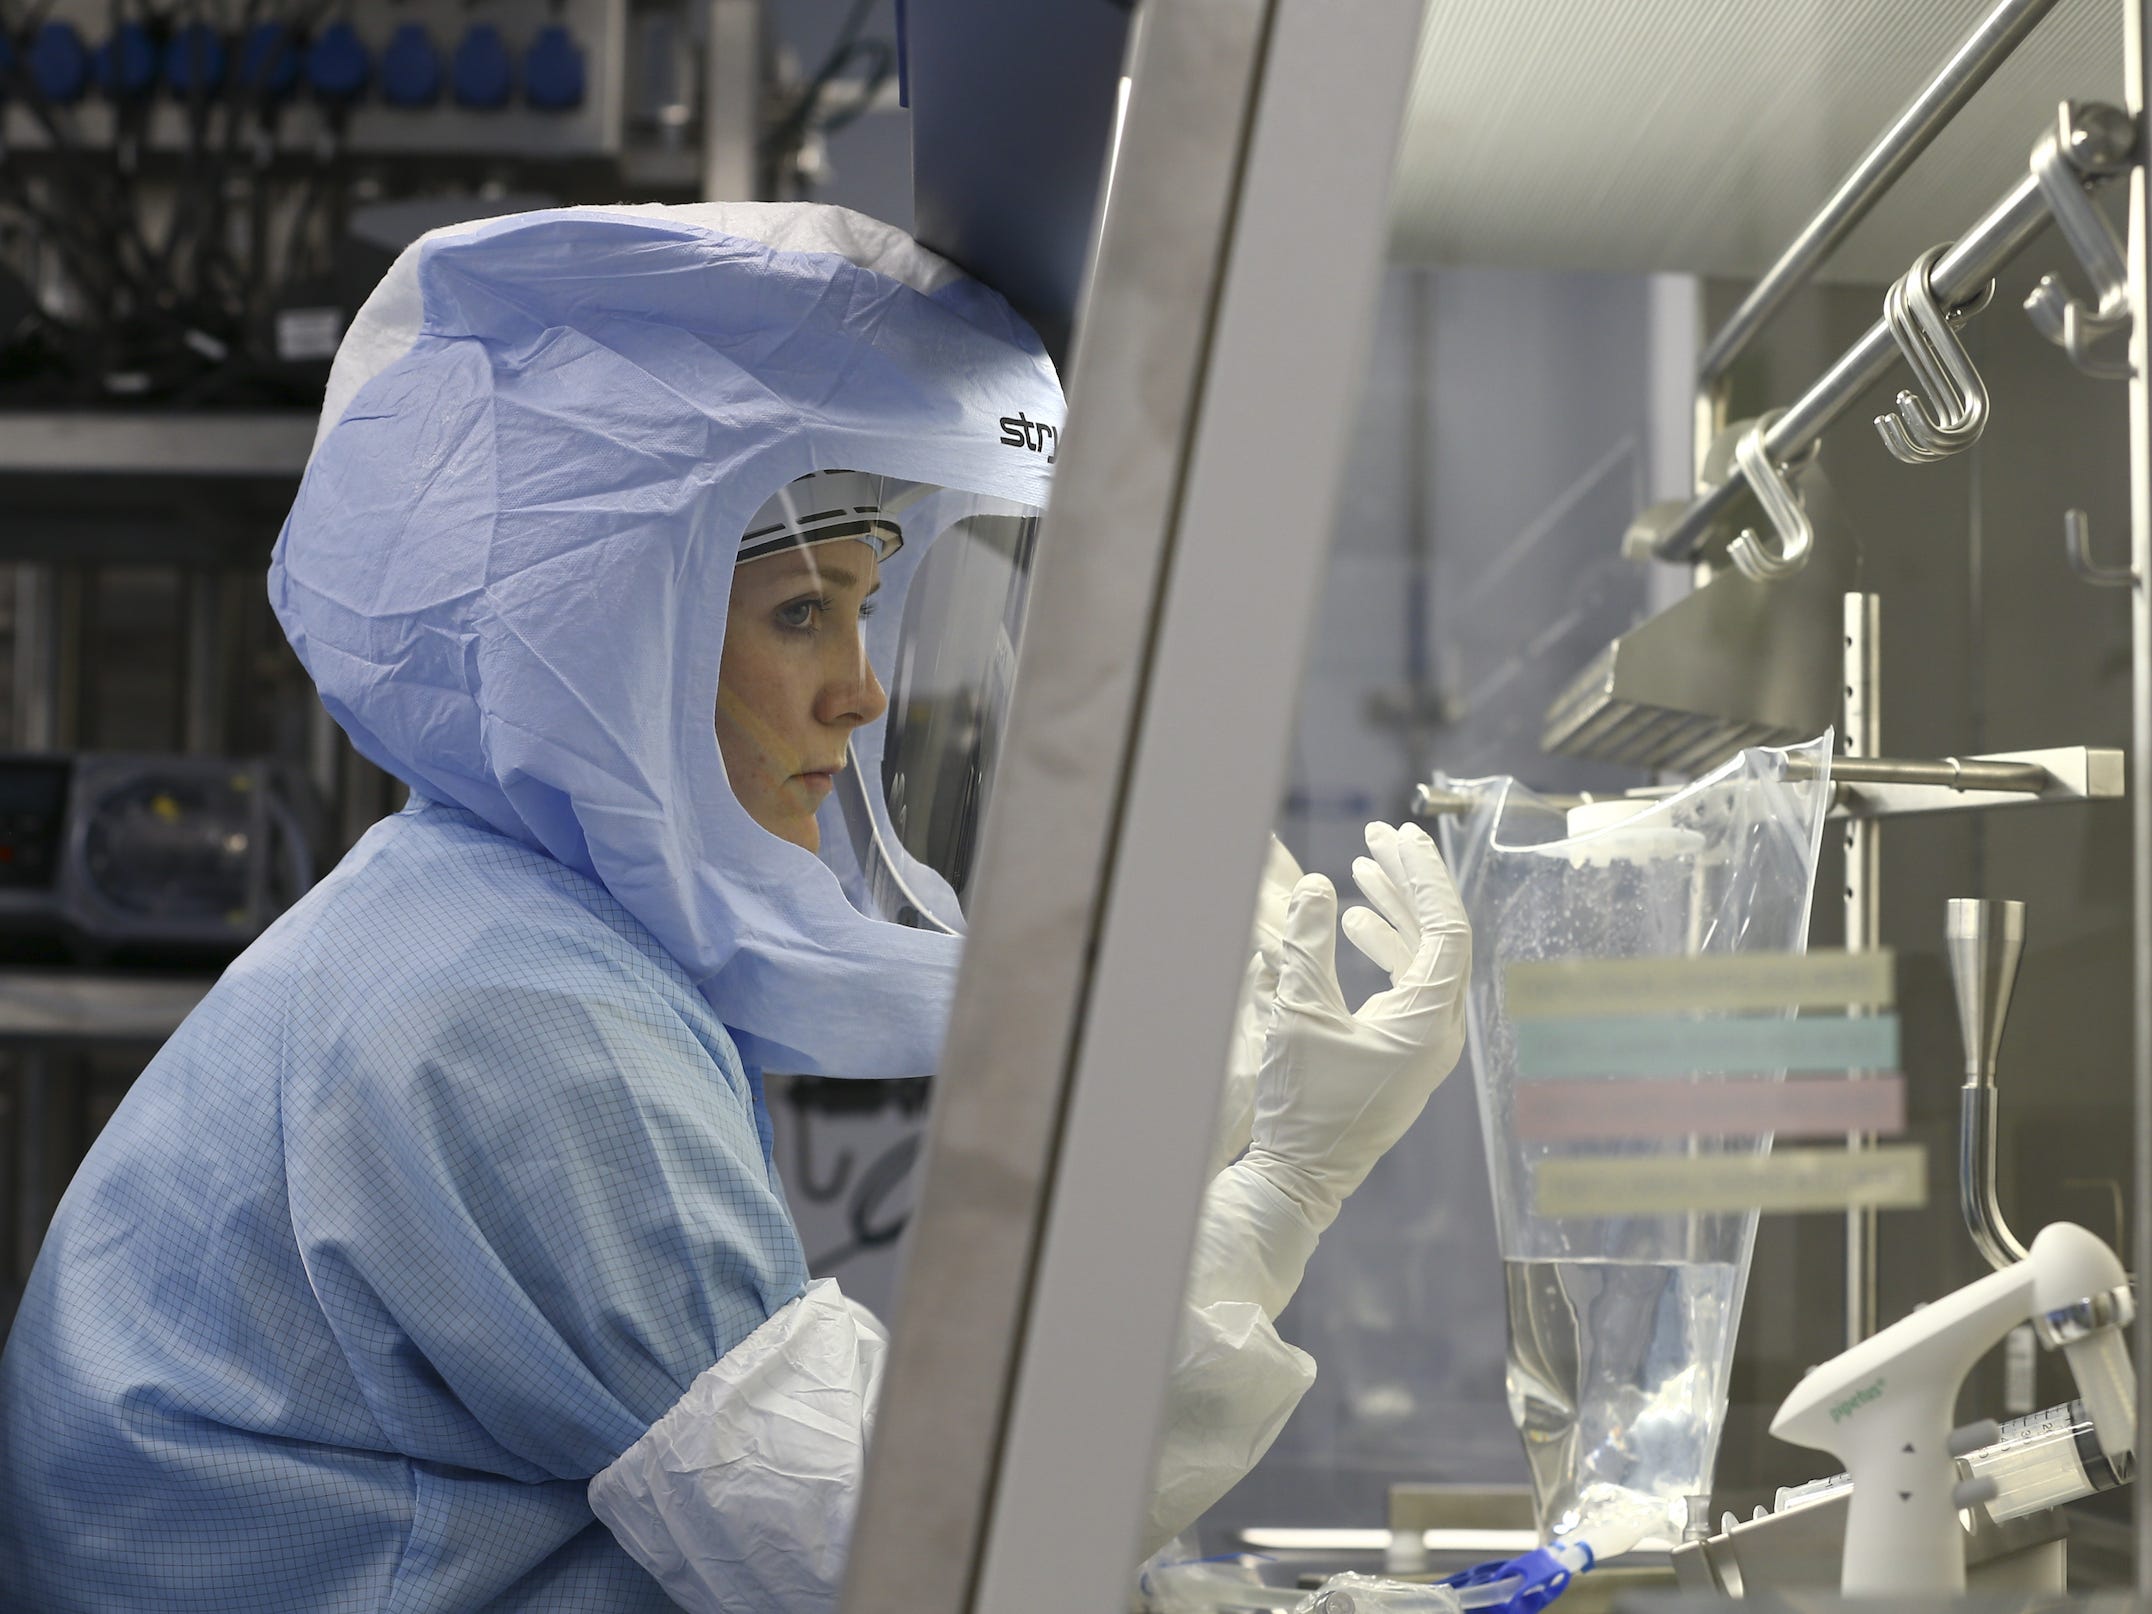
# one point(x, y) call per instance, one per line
point(1382, 846)
point(1385, 896)
point(1437, 906)
point(1309, 972)
point(1378, 941)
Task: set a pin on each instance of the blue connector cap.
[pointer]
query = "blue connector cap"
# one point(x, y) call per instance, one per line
point(194, 61)
point(411, 68)
point(269, 61)
point(553, 70)
point(125, 66)
point(1542, 1575)
point(338, 64)
point(59, 63)
point(483, 75)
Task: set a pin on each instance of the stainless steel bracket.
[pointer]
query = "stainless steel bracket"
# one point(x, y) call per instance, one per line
point(1963, 784)
point(2077, 546)
point(2060, 163)
point(1897, 787)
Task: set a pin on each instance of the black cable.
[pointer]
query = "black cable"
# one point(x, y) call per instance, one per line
point(73, 232)
point(881, 73)
point(779, 149)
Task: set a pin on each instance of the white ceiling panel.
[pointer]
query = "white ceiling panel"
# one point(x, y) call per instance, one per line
point(1701, 135)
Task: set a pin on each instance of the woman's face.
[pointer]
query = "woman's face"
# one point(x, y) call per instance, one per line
point(794, 681)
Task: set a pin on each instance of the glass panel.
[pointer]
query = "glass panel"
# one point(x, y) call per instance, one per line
point(1578, 212)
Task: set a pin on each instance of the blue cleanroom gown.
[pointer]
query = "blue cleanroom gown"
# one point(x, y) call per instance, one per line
point(447, 1192)
point(456, 1180)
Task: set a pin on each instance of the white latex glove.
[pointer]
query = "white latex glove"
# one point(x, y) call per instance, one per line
point(1251, 1019)
point(1338, 1087)
point(1334, 1091)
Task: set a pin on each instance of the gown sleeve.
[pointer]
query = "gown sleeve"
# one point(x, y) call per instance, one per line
point(532, 1203)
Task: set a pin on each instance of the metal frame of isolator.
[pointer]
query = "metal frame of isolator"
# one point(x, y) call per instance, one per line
point(1243, 238)
point(2137, 69)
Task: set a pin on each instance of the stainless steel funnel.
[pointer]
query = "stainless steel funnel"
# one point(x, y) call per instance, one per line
point(1985, 939)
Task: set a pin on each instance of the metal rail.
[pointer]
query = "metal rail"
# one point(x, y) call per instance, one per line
point(2101, 149)
point(2137, 70)
point(2011, 776)
point(1976, 773)
point(1910, 133)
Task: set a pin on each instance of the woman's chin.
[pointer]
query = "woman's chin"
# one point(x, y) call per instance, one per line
point(800, 831)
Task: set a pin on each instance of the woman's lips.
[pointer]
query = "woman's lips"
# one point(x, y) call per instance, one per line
point(819, 780)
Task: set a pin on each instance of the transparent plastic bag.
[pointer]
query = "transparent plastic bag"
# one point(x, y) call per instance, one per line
point(1622, 1328)
point(1371, 1594)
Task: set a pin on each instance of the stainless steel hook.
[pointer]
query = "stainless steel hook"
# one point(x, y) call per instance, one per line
point(1906, 433)
point(1781, 506)
point(2077, 544)
point(2061, 317)
point(1926, 334)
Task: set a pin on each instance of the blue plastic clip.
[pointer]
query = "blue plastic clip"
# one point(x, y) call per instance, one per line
point(125, 66)
point(338, 65)
point(553, 70)
point(1540, 1574)
point(194, 61)
point(411, 67)
point(482, 74)
point(59, 63)
point(269, 61)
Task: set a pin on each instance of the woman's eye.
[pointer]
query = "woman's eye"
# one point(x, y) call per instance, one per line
point(798, 615)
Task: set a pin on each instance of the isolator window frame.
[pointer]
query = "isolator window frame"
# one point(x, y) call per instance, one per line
point(1242, 244)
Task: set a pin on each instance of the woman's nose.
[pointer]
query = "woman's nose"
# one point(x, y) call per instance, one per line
point(854, 696)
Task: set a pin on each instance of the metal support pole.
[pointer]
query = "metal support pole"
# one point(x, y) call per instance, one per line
point(2137, 36)
point(1863, 738)
point(1925, 116)
point(35, 720)
point(731, 100)
point(207, 644)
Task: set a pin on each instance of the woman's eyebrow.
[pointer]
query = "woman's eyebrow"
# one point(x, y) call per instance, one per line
point(842, 577)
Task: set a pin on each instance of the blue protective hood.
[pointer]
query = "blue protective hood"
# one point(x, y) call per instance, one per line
point(508, 565)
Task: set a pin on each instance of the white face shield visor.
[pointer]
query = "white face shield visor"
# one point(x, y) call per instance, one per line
point(914, 596)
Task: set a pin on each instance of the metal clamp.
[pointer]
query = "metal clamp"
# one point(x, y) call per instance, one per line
point(1781, 507)
point(2081, 1319)
point(1928, 338)
point(2083, 140)
point(2077, 545)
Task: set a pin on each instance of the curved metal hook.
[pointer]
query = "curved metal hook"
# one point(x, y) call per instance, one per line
point(1970, 417)
point(2062, 318)
point(1781, 505)
point(2077, 545)
point(1905, 433)
point(1927, 335)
